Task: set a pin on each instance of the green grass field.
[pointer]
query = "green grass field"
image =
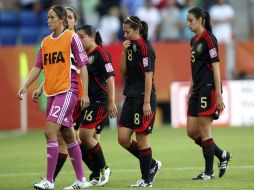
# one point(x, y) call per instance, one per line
point(22, 161)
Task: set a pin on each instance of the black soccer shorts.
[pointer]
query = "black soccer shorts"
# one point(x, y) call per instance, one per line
point(202, 102)
point(94, 116)
point(132, 114)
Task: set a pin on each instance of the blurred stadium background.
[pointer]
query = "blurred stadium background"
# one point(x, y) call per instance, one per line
point(23, 24)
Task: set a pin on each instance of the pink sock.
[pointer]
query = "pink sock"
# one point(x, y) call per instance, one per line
point(76, 159)
point(52, 155)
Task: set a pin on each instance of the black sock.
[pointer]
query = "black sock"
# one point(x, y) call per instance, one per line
point(145, 159)
point(98, 158)
point(133, 149)
point(86, 157)
point(218, 152)
point(60, 162)
point(208, 152)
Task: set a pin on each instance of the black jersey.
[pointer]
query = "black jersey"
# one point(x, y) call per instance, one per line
point(204, 52)
point(99, 70)
point(140, 58)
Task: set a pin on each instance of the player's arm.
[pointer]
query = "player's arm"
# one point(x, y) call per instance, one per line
point(190, 89)
point(82, 60)
point(111, 97)
point(33, 75)
point(148, 60)
point(147, 96)
point(217, 82)
point(217, 79)
point(215, 62)
point(148, 86)
point(85, 102)
point(123, 66)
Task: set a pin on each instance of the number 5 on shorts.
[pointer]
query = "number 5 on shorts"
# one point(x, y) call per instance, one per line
point(203, 102)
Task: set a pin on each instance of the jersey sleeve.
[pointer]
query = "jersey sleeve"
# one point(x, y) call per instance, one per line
point(106, 63)
point(38, 63)
point(148, 56)
point(212, 45)
point(78, 51)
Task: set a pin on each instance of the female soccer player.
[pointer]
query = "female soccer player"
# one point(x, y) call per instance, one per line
point(60, 86)
point(101, 92)
point(205, 99)
point(138, 112)
point(72, 18)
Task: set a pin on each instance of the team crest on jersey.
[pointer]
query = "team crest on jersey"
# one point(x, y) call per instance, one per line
point(134, 47)
point(199, 48)
point(91, 59)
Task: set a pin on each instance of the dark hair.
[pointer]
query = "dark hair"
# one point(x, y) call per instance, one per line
point(136, 23)
point(73, 11)
point(75, 14)
point(61, 13)
point(199, 12)
point(90, 31)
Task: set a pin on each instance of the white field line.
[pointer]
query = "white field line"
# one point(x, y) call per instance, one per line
point(124, 171)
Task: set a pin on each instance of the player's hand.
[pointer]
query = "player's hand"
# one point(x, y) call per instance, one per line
point(36, 94)
point(147, 110)
point(84, 102)
point(112, 110)
point(219, 103)
point(126, 44)
point(21, 92)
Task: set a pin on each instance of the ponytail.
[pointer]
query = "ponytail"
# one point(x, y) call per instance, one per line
point(98, 39)
point(144, 30)
point(207, 22)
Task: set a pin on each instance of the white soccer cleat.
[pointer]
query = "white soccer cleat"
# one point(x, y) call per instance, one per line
point(105, 173)
point(44, 184)
point(79, 185)
point(204, 176)
point(103, 180)
point(141, 183)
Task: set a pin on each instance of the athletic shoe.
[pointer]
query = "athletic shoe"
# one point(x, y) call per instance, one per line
point(141, 183)
point(95, 181)
point(204, 176)
point(44, 184)
point(103, 179)
point(224, 163)
point(105, 173)
point(155, 169)
point(79, 185)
